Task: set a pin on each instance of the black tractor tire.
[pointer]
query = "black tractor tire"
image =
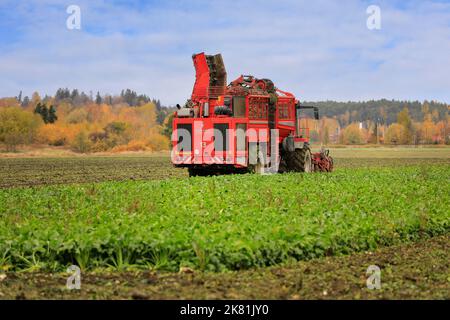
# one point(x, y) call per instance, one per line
point(194, 172)
point(301, 160)
point(283, 165)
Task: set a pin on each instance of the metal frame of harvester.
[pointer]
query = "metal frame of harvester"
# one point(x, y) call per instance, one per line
point(247, 125)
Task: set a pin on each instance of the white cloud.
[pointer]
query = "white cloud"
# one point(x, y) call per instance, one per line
point(319, 50)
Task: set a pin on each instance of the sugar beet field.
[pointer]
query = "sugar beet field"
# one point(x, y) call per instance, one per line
point(139, 228)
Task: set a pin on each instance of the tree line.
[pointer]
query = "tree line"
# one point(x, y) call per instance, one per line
point(382, 111)
point(86, 122)
point(430, 126)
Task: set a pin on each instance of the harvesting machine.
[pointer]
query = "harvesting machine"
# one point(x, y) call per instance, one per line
point(247, 125)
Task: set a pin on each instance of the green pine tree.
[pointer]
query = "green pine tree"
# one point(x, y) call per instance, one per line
point(52, 117)
point(98, 98)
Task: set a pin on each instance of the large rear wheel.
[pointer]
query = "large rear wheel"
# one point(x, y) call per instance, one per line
point(282, 167)
point(301, 160)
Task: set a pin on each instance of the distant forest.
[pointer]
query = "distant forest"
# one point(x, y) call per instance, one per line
point(381, 111)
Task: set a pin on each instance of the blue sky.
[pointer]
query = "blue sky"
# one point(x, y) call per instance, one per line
point(318, 50)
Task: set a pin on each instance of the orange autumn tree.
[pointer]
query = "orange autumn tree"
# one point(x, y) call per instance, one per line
point(100, 127)
point(352, 134)
point(9, 102)
point(395, 134)
point(429, 131)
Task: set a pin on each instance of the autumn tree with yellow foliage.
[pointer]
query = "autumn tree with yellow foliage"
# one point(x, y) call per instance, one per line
point(17, 127)
point(353, 134)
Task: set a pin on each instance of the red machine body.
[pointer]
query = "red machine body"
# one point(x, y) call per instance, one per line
point(248, 124)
